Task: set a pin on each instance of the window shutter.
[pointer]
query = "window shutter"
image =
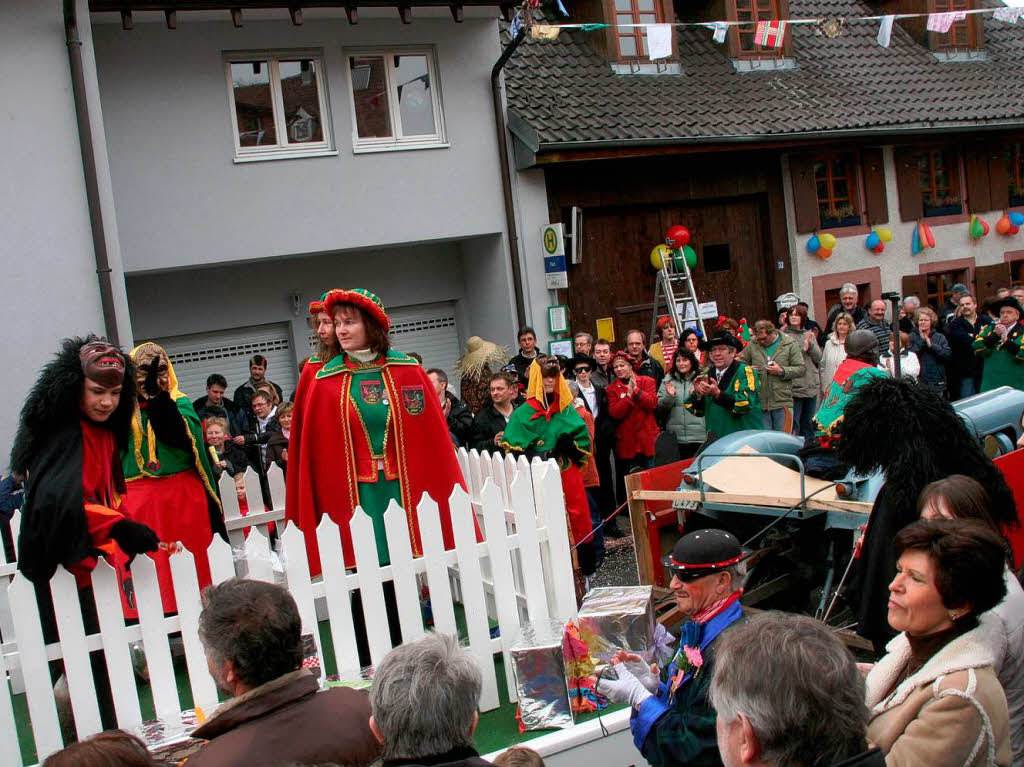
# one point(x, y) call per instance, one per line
point(805, 194)
point(873, 171)
point(976, 169)
point(988, 278)
point(908, 183)
point(998, 178)
point(916, 285)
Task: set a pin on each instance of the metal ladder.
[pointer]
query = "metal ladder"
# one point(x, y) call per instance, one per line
point(674, 287)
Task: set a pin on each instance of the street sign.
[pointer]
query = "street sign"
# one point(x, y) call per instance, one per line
point(554, 264)
point(556, 280)
point(552, 239)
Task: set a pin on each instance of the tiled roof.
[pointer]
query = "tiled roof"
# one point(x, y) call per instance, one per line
point(568, 93)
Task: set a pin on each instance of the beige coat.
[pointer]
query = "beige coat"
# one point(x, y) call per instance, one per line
point(951, 713)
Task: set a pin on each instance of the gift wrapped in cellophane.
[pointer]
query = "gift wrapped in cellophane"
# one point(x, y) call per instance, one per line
point(539, 670)
point(617, 618)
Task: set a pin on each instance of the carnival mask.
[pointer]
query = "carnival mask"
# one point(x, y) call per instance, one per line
point(103, 363)
point(152, 370)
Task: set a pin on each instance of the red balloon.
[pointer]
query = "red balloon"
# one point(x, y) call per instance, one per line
point(1013, 229)
point(677, 236)
point(878, 248)
point(984, 226)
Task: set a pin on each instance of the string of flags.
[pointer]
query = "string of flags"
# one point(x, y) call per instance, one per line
point(768, 33)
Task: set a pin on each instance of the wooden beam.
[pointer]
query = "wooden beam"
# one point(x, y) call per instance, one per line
point(405, 13)
point(645, 563)
point(457, 12)
point(172, 19)
point(127, 22)
point(236, 17)
point(296, 13)
point(814, 504)
point(352, 13)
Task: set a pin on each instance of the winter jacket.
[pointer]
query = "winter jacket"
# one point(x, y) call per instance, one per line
point(238, 422)
point(933, 358)
point(832, 357)
point(460, 420)
point(776, 391)
point(588, 472)
point(257, 439)
point(961, 334)
point(523, 364)
point(651, 368)
point(234, 457)
point(1004, 630)
point(809, 384)
point(857, 313)
point(276, 446)
point(951, 711)
point(882, 331)
point(687, 427)
point(458, 757)
point(244, 394)
point(910, 365)
point(288, 721)
point(635, 427)
point(486, 425)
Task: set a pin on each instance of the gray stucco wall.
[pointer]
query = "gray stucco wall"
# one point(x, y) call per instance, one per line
point(181, 200)
point(50, 288)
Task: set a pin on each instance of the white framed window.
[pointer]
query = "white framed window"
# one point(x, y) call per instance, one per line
point(396, 100)
point(278, 104)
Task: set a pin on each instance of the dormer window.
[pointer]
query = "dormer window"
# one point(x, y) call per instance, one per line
point(749, 12)
point(965, 35)
point(940, 182)
point(632, 41)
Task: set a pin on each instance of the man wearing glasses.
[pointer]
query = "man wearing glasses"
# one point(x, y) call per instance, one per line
point(673, 722)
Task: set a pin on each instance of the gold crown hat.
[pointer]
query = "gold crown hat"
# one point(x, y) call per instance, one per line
point(481, 353)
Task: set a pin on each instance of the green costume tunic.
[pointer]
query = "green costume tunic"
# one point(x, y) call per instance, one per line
point(170, 460)
point(851, 376)
point(738, 407)
point(528, 431)
point(1004, 359)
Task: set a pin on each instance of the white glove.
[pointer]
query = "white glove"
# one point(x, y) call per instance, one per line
point(625, 689)
point(663, 641)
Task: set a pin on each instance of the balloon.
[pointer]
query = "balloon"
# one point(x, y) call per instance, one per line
point(873, 240)
point(978, 228)
point(1013, 229)
point(1017, 219)
point(927, 238)
point(915, 241)
point(677, 236)
point(691, 256)
point(660, 255)
point(813, 244)
point(824, 253)
point(885, 235)
point(1003, 224)
point(828, 241)
point(878, 248)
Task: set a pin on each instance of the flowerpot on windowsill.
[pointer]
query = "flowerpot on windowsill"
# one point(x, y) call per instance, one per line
point(835, 223)
point(943, 210)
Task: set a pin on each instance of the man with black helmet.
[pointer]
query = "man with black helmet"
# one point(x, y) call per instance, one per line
point(858, 369)
point(673, 721)
point(726, 394)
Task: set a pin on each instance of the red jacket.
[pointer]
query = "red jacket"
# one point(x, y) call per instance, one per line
point(635, 427)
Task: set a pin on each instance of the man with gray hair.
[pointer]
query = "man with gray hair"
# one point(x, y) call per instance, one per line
point(787, 692)
point(424, 698)
point(848, 295)
point(907, 312)
point(252, 635)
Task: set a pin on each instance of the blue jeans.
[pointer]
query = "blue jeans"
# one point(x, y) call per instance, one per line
point(967, 387)
point(779, 419)
point(804, 409)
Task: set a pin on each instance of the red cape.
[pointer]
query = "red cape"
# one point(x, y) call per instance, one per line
point(326, 455)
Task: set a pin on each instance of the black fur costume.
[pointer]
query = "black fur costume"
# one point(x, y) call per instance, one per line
point(914, 437)
point(47, 452)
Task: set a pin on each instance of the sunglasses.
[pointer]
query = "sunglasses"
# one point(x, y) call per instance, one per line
point(688, 576)
point(581, 370)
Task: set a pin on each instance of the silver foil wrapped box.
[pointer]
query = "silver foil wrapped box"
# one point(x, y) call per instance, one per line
point(617, 618)
point(539, 671)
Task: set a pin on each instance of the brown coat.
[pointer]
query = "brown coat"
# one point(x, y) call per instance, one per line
point(951, 712)
point(287, 721)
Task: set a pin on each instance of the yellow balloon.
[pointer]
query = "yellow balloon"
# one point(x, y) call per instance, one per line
point(660, 252)
point(885, 235)
point(827, 240)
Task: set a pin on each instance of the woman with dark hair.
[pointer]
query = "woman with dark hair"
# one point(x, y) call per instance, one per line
point(368, 431)
point(675, 389)
point(914, 437)
point(960, 497)
point(934, 698)
point(690, 339)
point(805, 388)
point(113, 748)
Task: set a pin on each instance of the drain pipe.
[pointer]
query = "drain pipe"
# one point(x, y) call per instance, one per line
point(92, 188)
point(506, 173)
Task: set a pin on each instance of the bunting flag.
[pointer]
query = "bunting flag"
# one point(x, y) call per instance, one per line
point(544, 32)
point(942, 22)
point(885, 30)
point(1009, 15)
point(719, 28)
point(659, 41)
point(770, 34)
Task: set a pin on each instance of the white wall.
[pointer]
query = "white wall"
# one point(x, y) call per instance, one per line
point(951, 242)
point(489, 302)
point(49, 285)
point(532, 211)
point(182, 201)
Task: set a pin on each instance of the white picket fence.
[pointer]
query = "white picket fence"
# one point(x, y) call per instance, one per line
point(522, 570)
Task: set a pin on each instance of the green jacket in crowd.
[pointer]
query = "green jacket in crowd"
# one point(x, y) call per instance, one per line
point(737, 407)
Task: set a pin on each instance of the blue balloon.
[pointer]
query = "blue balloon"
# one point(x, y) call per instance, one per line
point(873, 240)
point(1017, 219)
point(813, 244)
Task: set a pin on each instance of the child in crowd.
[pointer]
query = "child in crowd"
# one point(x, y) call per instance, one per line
point(225, 455)
point(277, 447)
point(519, 756)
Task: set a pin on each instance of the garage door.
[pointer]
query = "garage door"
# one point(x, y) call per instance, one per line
point(227, 352)
point(427, 329)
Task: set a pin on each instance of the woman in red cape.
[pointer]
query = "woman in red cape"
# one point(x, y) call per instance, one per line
point(366, 431)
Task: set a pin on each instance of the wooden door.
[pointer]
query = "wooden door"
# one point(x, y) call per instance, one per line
point(616, 278)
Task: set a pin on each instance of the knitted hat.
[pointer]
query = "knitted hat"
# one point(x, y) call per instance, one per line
point(623, 355)
point(362, 298)
point(320, 305)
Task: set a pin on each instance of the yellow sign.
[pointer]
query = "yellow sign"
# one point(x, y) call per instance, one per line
point(606, 329)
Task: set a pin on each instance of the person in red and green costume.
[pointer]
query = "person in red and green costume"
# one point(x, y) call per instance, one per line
point(547, 425)
point(367, 431)
point(171, 486)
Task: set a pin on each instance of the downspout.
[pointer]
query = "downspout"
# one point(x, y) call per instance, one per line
point(92, 187)
point(506, 173)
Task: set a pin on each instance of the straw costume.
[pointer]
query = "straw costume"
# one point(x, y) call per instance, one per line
point(481, 360)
